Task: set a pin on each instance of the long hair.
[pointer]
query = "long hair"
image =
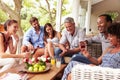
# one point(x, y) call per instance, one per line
point(8, 23)
point(46, 34)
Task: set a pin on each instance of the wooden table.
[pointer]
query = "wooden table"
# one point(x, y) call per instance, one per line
point(50, 75)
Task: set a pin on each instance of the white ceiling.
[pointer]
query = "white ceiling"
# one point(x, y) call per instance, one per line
point(96, 1)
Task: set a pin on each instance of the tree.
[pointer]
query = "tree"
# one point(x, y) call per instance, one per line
point(13, 12)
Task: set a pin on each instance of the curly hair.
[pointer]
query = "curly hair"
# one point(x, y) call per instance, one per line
point(114, 29)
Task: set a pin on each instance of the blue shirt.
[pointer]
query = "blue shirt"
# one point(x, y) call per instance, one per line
point(111, 60)
point(35, 39)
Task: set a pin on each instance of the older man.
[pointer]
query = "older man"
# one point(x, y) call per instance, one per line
point(71, 35)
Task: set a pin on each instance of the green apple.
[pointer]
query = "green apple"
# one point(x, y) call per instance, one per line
point(36, 65)
point(30, 68)
point(43, 67)
point(40, 68)
point(35, 69)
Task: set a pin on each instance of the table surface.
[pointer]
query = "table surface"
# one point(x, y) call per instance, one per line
point(49, 75)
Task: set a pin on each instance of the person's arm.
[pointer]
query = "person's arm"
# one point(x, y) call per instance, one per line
point(94, 60)
point(13, 42)
point(62, 47)
point(96, 38)
point(62, 41)
point(75, 50)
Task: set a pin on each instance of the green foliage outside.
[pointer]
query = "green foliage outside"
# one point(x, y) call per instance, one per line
point(40, 9)
point(3, 17)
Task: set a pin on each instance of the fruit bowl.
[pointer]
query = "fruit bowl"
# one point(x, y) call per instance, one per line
point(31, 66)
point(36, 72)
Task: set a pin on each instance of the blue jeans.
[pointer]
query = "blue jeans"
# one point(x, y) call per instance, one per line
point(58, 51)
point(80, 58)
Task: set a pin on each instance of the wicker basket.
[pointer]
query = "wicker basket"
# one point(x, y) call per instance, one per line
point(86, 72)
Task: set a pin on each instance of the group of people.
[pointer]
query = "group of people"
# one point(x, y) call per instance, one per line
point(45, 41)
point(109, 37)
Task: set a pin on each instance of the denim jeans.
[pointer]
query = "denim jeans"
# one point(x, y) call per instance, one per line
point(58, 51)
point(80, 58)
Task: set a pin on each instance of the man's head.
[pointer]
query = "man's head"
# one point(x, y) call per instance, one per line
point(34, 22)
point(103, 22)
point(70, 25)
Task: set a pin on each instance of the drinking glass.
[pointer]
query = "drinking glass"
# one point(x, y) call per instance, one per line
point(58, 62)
point(52, 61)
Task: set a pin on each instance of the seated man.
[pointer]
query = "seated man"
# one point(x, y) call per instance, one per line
point(103, 22)
point(109, 58)
point(72, 36)
point(33, 39)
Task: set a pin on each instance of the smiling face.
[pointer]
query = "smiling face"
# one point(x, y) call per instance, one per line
point(11, 26)
point(112, 39)
point(70, 27)
point(35, 24)
point(102, 24)
point(49, 30)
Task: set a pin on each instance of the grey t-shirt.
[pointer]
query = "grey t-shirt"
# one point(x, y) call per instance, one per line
point(100, 38)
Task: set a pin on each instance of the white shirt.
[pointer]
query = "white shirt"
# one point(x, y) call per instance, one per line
point(74, 40)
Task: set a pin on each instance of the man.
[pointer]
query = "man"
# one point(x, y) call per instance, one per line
point(33, 39)
point(103, 22)
point(71, 35)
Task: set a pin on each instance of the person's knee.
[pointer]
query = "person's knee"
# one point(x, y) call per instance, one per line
point(50, 44)
point(57, 51)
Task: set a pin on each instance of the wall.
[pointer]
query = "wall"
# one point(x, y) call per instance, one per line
point(100, 8)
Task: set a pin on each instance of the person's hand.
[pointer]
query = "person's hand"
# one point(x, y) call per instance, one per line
point(86, 53)
point(63, 52)
point(26, 55)
point(30, 47)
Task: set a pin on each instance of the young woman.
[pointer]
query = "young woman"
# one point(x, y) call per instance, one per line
point(51, 39)
point(7, 49)
point(110, 57)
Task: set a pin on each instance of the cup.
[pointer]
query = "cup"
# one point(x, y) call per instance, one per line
point(58, 62)
point(82, 45)
point(52, 61)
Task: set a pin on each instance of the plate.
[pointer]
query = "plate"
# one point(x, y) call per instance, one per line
point(32, 72)
point(47, 69)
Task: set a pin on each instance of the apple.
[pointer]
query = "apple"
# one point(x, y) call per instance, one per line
point(35, 69)
point(43, 67)
point(36, 65)
point(30, 68)
point(40, 68)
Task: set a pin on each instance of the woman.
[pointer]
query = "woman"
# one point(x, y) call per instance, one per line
point(51, 39)
point(7, 49)
point(110, 57)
